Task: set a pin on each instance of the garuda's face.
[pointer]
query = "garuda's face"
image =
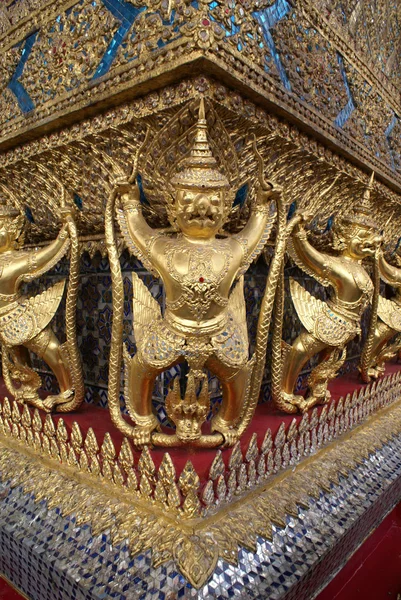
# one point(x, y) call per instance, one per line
point(199, 213)
point(362, 242)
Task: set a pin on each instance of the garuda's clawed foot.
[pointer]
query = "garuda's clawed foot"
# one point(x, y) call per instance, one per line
point(51, 402)
point(289, 403)
point(142, 433)
point(305, 404)
point(376, 372)
point(31, 399)
point(227, 429)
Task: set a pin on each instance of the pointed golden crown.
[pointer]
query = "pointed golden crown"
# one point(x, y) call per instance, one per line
point(362, 212)
point(200, 166)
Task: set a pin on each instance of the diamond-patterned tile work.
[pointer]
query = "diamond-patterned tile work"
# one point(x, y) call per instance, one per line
point(51, 557)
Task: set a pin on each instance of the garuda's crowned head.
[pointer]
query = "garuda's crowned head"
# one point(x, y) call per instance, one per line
point(357, 233)
point(11, 222)
point(201, 201)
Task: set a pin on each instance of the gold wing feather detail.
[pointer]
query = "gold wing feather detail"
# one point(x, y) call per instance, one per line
point(293, 253)
point(236, 305)
point(31, 315)
point(390, 313)
point(319, 320)
point(45, 305)
point(145, 308)
point(307, 306)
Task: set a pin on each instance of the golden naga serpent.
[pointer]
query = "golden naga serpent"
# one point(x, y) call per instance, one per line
point(74, 357)
point(256, 364)
point(366, 358)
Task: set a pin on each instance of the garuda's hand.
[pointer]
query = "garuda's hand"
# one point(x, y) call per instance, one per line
point(67, 214)
point(129, 194)
point(273, 192)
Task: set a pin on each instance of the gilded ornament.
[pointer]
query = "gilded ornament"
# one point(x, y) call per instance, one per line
point(386, 339)
point(332, 324)
point(201, 266)
point(24, 320)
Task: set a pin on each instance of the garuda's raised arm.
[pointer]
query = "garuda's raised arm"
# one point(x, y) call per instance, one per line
point(26, 266)
point(309, 259)
point(390, 274)
point(137, 233)
point(255, 234)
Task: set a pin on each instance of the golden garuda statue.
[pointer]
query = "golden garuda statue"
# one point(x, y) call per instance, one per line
point(329, 325)
point(386, 343)
point(25, 319)
point(204, 323)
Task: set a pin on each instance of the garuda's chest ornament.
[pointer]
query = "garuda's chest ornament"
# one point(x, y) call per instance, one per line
point(198, 274)
point(201, 267)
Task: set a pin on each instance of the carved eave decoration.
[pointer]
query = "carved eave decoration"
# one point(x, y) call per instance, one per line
point(83, 157)
point(294, 58)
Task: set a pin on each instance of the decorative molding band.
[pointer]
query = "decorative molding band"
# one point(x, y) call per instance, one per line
point(344, 98)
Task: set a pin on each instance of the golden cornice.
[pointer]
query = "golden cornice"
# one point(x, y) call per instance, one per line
point(184, 56)
point(347, 47)
point(79, 151)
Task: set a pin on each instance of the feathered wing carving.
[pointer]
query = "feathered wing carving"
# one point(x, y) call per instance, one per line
point(390, 313)
point(293, 253)
point(45, 305)
point(236, 305)
point(31, 315)
point(145, 308)
point(319, 320)
point(307, 306)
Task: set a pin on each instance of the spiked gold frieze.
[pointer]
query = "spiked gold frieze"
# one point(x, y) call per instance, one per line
point(176, 515)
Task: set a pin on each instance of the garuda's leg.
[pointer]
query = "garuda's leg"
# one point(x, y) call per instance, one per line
point(295, 358)
point(233, 382)
point(47, 347)
point(383, 334)
point(141, 381)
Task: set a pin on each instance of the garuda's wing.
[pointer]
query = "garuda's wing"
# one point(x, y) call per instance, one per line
point(236, 306)
point(307, 306)
point(390, 313)
point(31, 315)
point(319, 320)
point(145, 308)
point(293, 253)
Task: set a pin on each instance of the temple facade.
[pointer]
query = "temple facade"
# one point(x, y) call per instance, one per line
point(200, 310)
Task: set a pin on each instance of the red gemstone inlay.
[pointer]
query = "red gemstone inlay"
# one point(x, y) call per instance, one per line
point(201, 279)
point(205, 22)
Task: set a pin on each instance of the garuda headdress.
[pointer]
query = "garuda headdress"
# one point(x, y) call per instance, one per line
point(362, 213)
point(193, 151)
point(200, 167)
